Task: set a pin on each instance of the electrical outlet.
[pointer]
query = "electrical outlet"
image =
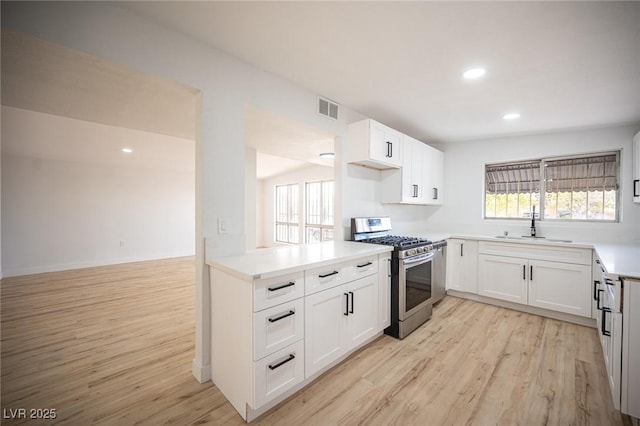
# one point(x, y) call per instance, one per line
point(122, 243)
point(222, 226)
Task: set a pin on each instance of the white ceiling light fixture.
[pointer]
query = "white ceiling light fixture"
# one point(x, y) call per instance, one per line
point(474, 73)
point(327, 155)
point(511, 116)
point(127, 150)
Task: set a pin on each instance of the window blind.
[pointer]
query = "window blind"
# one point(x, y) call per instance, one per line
point(594, 173)
point(513, 178)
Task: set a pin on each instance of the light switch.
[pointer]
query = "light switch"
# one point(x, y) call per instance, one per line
point(222, 225)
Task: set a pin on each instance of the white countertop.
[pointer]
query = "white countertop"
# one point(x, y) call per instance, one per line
point(622, 260)
point(265, 263)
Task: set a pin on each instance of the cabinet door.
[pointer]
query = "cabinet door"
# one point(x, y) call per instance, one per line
point(434, 194)
point(362, 321)
point(562, 287)
point(325, 327)
point(636, 169)
point(455, 266)
point(384, 292)
point(385, 145)
point(503, 277)
point(631, 349)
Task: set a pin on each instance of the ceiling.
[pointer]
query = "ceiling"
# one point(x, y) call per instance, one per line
point(561, 65)
point(283, 144)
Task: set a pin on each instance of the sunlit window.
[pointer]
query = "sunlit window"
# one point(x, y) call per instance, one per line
point(574, 188)
point(319, 211)
point(287, 228)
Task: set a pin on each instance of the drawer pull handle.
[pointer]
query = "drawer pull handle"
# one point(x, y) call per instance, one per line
point(364, 264)
point(283, 316)
point(281, 363)
point(598, 300)
point(328, 275)
point(595, 289)
point(346, 305)
point(351, 310)
point(602, 324)
point(289, 284)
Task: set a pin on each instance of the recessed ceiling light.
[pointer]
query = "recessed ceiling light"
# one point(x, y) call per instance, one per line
point(327, 155)
point(511, 116)
point(127, 150)
point(474, 73)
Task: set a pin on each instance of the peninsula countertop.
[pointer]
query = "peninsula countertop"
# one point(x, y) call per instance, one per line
point(269, 262)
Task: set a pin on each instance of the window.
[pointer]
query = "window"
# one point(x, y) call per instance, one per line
point(576, 188)
point(287, 228)
point(319, 211)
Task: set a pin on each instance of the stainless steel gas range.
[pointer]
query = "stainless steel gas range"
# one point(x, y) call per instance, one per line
point(417, 272)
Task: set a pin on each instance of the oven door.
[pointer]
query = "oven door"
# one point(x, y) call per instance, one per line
point(415, 284)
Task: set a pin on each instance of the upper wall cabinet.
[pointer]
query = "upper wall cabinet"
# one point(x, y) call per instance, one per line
point(374, 145)
point(419, 181)
point(434, 177)
point(636, 168)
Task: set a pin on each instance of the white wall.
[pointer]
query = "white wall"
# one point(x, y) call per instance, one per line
point(63, 210)
point(227, 86)
point(312, 173)
point(464, 184)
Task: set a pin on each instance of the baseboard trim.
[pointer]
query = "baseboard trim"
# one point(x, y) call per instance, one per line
point(588, 322)
point(16, 272)
point(202, 373)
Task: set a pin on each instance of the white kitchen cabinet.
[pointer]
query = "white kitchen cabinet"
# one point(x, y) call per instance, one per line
point(502, 277)
point(407, 184)
point(420, 179)
point(261, 330)
point(434, 176)
point(550, 277)
point(636, 168)
point(326, 321)
point(339, 319)
point(562, 287)
point(630, 386)
point(384, 292)
point(373, 144)
point(462, 265)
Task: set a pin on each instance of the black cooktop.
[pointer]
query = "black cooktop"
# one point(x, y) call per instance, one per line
point(398, 241)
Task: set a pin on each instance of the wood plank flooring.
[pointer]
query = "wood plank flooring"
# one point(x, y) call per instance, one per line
point(113, 345)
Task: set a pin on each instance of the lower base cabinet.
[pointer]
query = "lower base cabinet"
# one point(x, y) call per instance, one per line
point(562, 287)
point(270, 336)
point(278, 372)
point(503, 278)
point(338, 320)
point(630, 398)
point(530, 280)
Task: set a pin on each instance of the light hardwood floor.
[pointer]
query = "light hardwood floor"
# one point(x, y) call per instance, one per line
point(114, 345)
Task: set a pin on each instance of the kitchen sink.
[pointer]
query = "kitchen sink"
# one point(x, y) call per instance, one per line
point(527, 237)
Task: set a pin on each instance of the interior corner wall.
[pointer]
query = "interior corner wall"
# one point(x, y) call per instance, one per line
point(60, 213)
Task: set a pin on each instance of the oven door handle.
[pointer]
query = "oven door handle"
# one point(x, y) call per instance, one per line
point(419, 260)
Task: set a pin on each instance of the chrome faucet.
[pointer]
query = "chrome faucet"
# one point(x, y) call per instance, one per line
point(533, 222)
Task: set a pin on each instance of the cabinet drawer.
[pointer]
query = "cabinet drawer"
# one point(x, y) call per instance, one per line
point(277, 373)
point(361, 268)
point(553, 253)
point(277, 327)
point(273, 291)
point(325, 277)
